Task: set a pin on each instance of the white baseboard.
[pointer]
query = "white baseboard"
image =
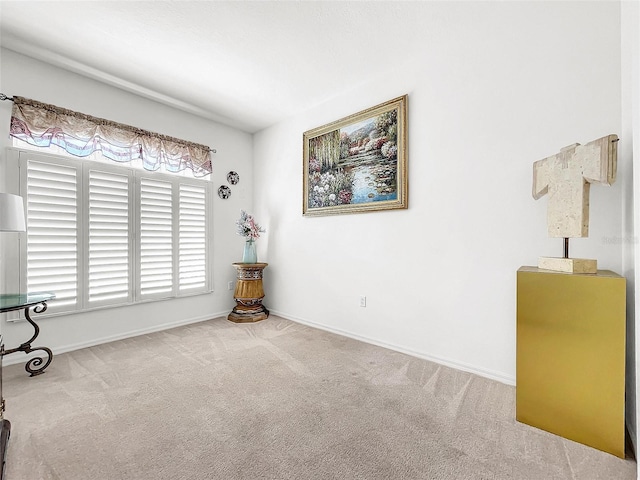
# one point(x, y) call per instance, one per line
point(19, 357)
point(493, 375)
point(14, 359)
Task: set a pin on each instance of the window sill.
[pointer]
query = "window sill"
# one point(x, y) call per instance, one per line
point(18, 316)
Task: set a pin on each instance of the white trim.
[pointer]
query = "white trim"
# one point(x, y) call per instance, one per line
point(493, 375)
point(19, 314)
point(19, 357)
point(465, 367)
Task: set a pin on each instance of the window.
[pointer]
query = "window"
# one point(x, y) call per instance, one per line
point(104, 235)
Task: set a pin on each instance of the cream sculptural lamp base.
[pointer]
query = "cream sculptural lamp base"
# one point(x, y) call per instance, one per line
point(568, 265)
point(566, 178)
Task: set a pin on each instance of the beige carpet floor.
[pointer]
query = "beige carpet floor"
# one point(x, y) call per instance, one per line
point(274, 400)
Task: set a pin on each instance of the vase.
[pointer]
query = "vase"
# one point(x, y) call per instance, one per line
point(249, 255)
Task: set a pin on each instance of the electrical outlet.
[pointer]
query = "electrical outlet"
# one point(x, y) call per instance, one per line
point(230, 286)
point(363, 301)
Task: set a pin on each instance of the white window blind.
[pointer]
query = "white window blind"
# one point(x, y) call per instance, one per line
point(52, 231)
point(101, 235)
point(108, 255)
point(192, 233)
point(156, 237)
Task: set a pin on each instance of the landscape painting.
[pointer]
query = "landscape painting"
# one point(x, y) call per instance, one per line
point(358, 163)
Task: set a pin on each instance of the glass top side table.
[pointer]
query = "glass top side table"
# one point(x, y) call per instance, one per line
point(38, 302)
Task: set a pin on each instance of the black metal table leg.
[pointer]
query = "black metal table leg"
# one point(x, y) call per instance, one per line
point(26, 346)
point(4, 441)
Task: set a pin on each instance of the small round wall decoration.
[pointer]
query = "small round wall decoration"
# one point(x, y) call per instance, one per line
point(233, 178)
point(224, 192)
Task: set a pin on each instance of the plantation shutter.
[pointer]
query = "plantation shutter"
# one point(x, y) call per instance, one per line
point(192, 232)
point(156, 237)
point(52, 231)
point(101, 235)
point(109, 270)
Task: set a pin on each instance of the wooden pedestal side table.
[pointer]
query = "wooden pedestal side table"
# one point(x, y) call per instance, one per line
point(249, 294)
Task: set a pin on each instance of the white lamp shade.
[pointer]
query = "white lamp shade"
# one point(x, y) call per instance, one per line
point(11, 213)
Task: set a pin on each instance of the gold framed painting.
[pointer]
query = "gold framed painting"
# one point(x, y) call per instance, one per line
point(358, 163)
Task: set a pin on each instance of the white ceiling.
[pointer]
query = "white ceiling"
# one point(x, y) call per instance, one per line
point(244, 64)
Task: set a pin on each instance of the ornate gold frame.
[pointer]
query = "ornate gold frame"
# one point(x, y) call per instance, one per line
point(328, 143)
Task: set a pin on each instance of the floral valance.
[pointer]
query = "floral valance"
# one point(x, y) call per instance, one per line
point(43, 125)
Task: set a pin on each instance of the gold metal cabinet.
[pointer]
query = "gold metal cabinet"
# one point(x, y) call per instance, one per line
point(570, 355)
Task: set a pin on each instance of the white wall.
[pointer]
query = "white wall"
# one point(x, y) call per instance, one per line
point(498, 86)
point(630, 149)
point(30, 78)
